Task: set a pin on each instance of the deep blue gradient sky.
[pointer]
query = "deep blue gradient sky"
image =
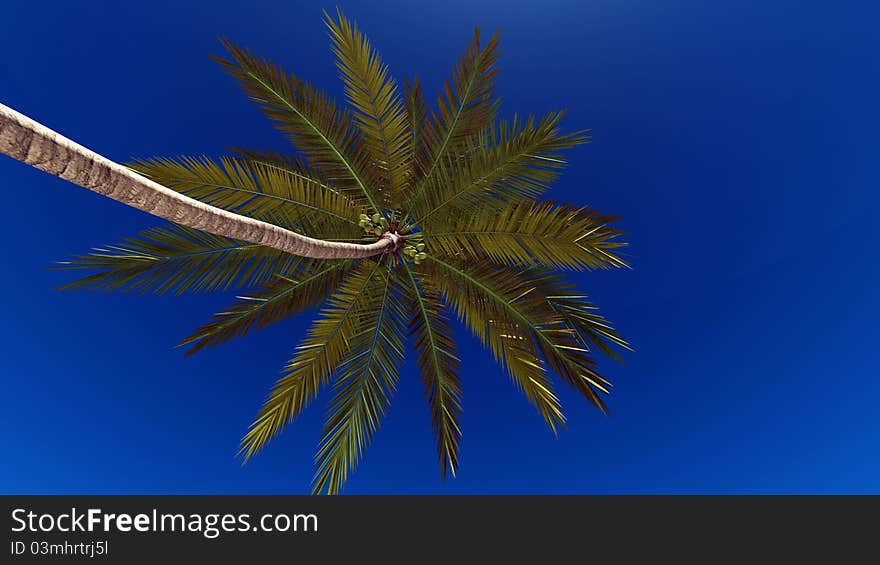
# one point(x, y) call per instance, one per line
point(737, 141)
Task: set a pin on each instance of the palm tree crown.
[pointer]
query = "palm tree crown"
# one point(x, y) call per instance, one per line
point(455, 188)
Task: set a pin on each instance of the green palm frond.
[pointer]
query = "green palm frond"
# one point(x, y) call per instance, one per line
point(307, 285)
point(439, 366)
point(373, 94)
point(257, 190)
point(465, 106)
point(317, 357)
point(480, 291)
point(290, 164)
point(417, 114)
point(590, 328)
point(177, 259)
point(312, 120)
point(514, 349)
point(366, 380)
point(529, 232)
point(301, 219)
point(503, 310)
point(509, 161)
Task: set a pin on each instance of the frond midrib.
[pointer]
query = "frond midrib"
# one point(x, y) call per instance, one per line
point(231, 320)
point(538, 331)
point(327, 475)
point(457, 117)
point(283, 199)
point(424, 313)
point(288, 170)
point(323, 137)
point(469, 186)
point(438, 156)
point(434, 354)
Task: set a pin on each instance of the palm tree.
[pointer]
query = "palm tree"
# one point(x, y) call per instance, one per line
point(412, 215)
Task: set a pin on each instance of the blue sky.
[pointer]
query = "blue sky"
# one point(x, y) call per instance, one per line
point(736, 140)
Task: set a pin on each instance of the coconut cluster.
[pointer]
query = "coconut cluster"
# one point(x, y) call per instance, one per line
point(415, 251)
point(377, 225)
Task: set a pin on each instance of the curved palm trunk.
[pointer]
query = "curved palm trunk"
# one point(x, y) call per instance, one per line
point(34, 144)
